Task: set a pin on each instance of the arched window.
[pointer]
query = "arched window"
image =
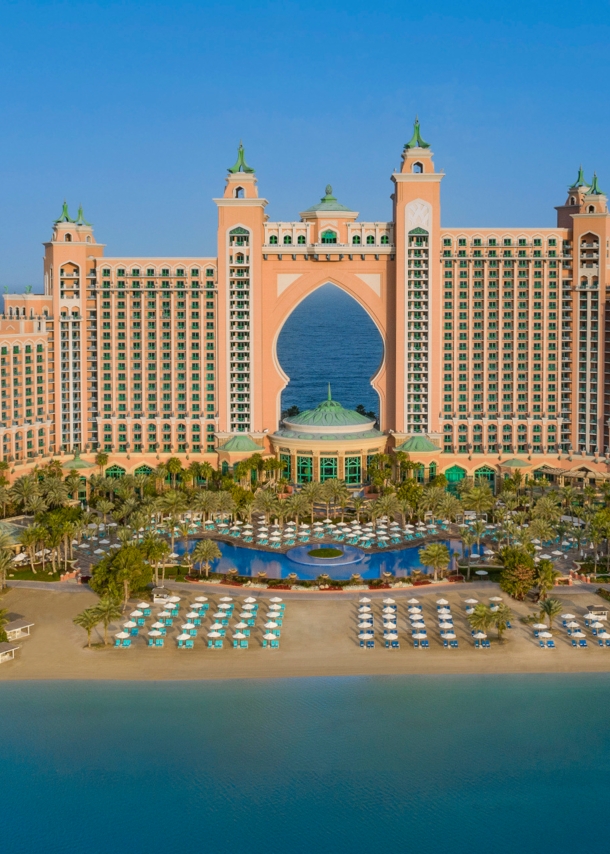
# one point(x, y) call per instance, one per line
point(287, 239)
point(115, 471)
point(356, 240)
point(239, 192)
point(88, 238)
point(591, 209)
point(329, 237)
point(370, 240)
point(418, 167)
point(273, 239)
point(385, 239)
point(68, 238)
point(301, 239)
point(239, 258)
point(572, 200)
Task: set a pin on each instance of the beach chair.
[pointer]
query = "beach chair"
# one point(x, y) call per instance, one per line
point(180, 644)
point(395, 644)
point(196, 621)
point(193, 633)
point(289, 542)
point(243, 644)
point(446, 644)
point(425, 644)
point(275, 644)
point(508, 624)
point(574, 642)
point(140, 621)
point(536, 633)
point(134, 632)
point(600, 642)
point(453, 644)
point(361, 644)
point(117, 641)
point(582, 642)
point(541, 642)
point(266, 643)
point(415, 644)
point(218, 643)
point(487, 644)
point(276, 545)
point(235, 644)
point(151, 641)
point(369, 644)
point(250, 622)
point(608, 643)
point(477, 644)
point(387, 644)
point(147, 612)
point(276, 632)
point(189, 644)
point(168, 621)
point(159, 641)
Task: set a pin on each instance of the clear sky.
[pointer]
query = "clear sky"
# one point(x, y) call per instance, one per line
point(135, 110)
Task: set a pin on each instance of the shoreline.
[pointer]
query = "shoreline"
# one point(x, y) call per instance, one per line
point(318, 640)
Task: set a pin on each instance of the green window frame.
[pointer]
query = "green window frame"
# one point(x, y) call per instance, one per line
point(304, 469)
point(353, 469)
point(329, 237)
point(286, 461)
point(328, 468)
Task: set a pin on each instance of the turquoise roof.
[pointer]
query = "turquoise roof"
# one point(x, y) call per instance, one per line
point(334, 437)
point(328, 203)
point(77, 463)
point(515, 464)
point(240, 443)
point(417, 445)
point(329, 413)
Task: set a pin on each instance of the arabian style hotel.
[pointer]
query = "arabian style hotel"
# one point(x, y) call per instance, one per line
point(494, 341)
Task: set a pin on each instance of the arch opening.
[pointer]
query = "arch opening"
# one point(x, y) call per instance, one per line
point(330, 338)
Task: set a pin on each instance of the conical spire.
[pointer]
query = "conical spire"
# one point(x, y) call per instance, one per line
point(65, 216)
point(580, 181)
point(80, 218)
point(416, 140)
point(240, 164)
point(594, 189)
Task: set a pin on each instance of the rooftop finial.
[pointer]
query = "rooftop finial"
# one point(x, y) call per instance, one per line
point(80, 217)
point(594, 189)
point(416, 140)
point(65, 216)
point(240, 164)
point(330, 397)
point(580, 180)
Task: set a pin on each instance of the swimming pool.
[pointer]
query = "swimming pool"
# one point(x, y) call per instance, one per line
point(400, 562)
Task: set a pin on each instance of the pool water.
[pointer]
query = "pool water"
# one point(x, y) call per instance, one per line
point(400, 562)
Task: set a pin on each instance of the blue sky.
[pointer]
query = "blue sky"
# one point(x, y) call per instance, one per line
point(135, 110)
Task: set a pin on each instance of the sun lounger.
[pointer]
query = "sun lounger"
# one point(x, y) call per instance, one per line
point(395, 644)
point(582, 642)
point(415, 644)
point(453, 644)
point(189, 644)
point(446, 644)
point(370, 644)
point(486, 644)
point(477, 644)
point(574, 642)
point(275, 644)
point(425, 644)
point(159, 641)
point(362, 644)
point(541, 642)
point(608, 643)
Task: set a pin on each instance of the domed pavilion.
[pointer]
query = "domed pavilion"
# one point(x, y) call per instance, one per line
point(327, 442)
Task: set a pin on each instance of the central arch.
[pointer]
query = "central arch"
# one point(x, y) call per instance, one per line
point(330, 337)
point(284, 291)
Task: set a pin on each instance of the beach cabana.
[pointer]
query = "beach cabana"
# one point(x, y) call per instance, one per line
point(18, 629)
point(122, 639)
point(7, 651)
point(155, 638)
point(270, 641)
point(214, 640)
point(185, 641)
point(240, 641)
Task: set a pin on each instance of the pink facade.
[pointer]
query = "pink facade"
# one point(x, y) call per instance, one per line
point(494, 338)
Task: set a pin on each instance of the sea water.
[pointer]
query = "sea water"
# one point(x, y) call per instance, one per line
point(329, 338)
point(430, 764)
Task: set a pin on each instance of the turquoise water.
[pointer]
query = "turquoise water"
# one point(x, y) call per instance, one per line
point(465, 764)
point(247, 561)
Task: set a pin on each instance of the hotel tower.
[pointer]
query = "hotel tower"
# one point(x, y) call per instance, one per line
point(494, 339)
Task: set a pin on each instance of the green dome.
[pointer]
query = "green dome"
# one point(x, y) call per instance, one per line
point(329, 419)
point(240, 443)
point(418, 445)
point(328, 203)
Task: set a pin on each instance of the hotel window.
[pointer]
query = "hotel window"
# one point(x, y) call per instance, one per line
point(287, 239)
point(352, 470)
point(329, 237)
point(356, 240)
point(304, 469)
point(328, 468)
point(301, 239)
point(370, 240)
point(273, 239)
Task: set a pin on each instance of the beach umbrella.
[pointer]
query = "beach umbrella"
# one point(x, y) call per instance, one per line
point(449, 635)
point(481, 571)
point(603, 635)
point(225, 606)
point(413, 601)
point(364, 609)
point(216, 626)
point(269, 636)
point(442, 602)
point(366, 635)
point(122, 635)
point(271, 625)
point(415, 609)
point(597, 625)
point(201, 598)
point(479, 635)
point(389, 601)
point(143, 605)
point(248, 606)
point(164, 614)
point(578, 634)
point(158, 625)
point(365, 625)
point(495, 598)
point(545, 635)
point(246, 615)
point(220, 615)
point(98, 552)
point(276, 600)
point(391, 636)
point(173, 599)
point(136, 613)
point(419, 635)
point(542, 625)
point(130, 624)
point(154, 633)
point(471, 601)
point(444, 610)
point(590, 616)
point(226, 599)
point(446, 625)
point(105, 542)
point(187, 626)
point(545, 557)
point(250, 600)
point(388, 610)
point(214, 634)
point(558, 553)
point(489, 551)
point(567, 616)
point(183, 637)
point(238, 635)
point(572, 624)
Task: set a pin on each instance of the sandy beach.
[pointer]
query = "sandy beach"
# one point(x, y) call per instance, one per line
point(318, 639)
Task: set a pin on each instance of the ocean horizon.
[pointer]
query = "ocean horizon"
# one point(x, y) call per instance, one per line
point(344, 764)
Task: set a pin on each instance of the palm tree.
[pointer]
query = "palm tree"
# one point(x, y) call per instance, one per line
point(174, 467)
point(336, 491)
point(204, 502)
point(56, 493)
point(468, 540)
point(298, 506)
point(3, 621)
point(358, 504)
point(204, 553)
point(265, 502)
point(387, 505)
point(481, 618)
point(24, 489)
point(435, 555)
point(551, 608)
point(225, 504)
point(88, 620)
point(30, 539)
point(73, 484)
point(546, 576)
point(101, 460)
point(478, 529)
point(479, 498)
point(501, 618)
point(314, 493)
point(173, 503)
point(107, 609)
point(5, 497)
point(105, 507)
point(36, 505)
point(156, 550)
point(449, 507)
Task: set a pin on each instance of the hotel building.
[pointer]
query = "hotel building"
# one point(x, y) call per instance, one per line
point(494, 339)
